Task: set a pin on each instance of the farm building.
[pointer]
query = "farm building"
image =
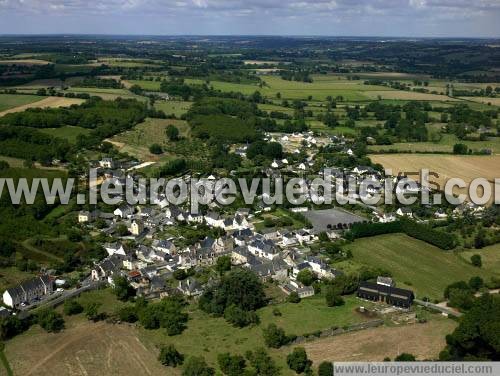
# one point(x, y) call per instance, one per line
point(386, 293)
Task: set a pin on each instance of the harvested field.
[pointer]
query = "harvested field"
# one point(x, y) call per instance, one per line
point(54, 102)
point(447, 166)
point(425, 341)
point(25, 62)
point(84, 348)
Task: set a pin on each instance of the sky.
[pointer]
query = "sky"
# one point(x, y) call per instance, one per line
point(404, 18)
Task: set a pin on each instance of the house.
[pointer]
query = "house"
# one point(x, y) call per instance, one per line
point(190, 287)
point(164, 246)
point(304, 236)
point(385, 281)
point(214, 219)
point(86, 216)
point(241, 256)
point(28, 291)
point(404, 212)
point(388, 294)
point(440, 214)
point(300, 289)
point(115, 248)
point(276, 269)
point(107, 268)
point(124, 211)
point(107, 163)
point(136, 227)
point(288, 238)
point(263, 248)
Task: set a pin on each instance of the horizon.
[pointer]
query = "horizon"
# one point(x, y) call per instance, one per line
point(363, 18)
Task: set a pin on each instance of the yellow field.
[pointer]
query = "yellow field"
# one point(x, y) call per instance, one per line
point(425, 341)
point(25, 62)
point(485, 100)
point(84, 348)
point(447, 166)
point(53, 102)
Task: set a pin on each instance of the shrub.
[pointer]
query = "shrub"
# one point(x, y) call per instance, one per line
point(72, 307)
point(169, 356)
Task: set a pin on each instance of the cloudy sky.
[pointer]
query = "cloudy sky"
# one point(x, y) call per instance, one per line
point(428, 18)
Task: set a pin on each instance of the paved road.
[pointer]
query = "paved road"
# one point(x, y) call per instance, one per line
point(446, 310)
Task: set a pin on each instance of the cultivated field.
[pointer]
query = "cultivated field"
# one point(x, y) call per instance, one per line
point(414, 264)
point(25, 62)
point(425, 341)
point(9, 101)
point(485, 100)
point(447, 166)
point(83, 348)
point(53, 102)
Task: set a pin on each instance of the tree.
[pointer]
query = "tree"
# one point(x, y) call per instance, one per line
point(197, 366)
point(274, 337)
point(476, 337)
point(128, 314)
point(72, 307)
point(332, 298)
point(476, 260)
point(293, 297)
point(297, 360)
point(475, 283)
point(169, 356)
point(306, 277)
point(223, 264)
point(239, 317)
point(231, 365)
point(405, 357)
point(155, 149)
point(262, 363)
point(180, 274)
point(50, 320)
point(121, 229)
point(122, 289)
point(463, 299)
point(325, 369)
point(172, 132)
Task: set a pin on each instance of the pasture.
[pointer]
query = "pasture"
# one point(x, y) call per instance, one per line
point(414, 264)
point(69, 133)
point(53, 102)
point(9, 101)
point(145, 84)
point(409, 95)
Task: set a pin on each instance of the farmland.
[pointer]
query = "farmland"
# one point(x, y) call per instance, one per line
point(414, 264)
point(53, 102)
point(69, 133)
point(9, 101)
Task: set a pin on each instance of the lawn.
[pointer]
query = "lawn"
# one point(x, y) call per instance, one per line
point(178, 108)
point(8, 101)
point(414, 264)
point(69, 133)
point(490, 257)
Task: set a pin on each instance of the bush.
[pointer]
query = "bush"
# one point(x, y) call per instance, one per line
point(72, 307)
point(275, 337)
point(293, 297)
point(197, 366)
point(50, 320)
point(239, 317)
point(155, 149)
point(332, 298)
point(476, 260)
point(306, 277)
point(128, 314)
point(170, 357)
point(231, 365)
point(325, 369)
point(405, 357)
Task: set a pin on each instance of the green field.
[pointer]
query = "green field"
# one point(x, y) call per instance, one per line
point(208, 336)
point(146, 85)
point(445, 145)
point(69, 133)
point(414, 264)
point(178, 108)
point(8, 101)
point(490, 257)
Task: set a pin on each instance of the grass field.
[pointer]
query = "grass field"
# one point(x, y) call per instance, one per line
point(444, 145)
point(145, 84)
point(409, 95)
point(69, 133)
point(9, 101)
point(53, 102)
point(414, 264)
point(137, 141)
point(425, 341)
point(485, 100)
point(207, 336)
point(178, 108)
point(490, 257)
point(11, 276)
